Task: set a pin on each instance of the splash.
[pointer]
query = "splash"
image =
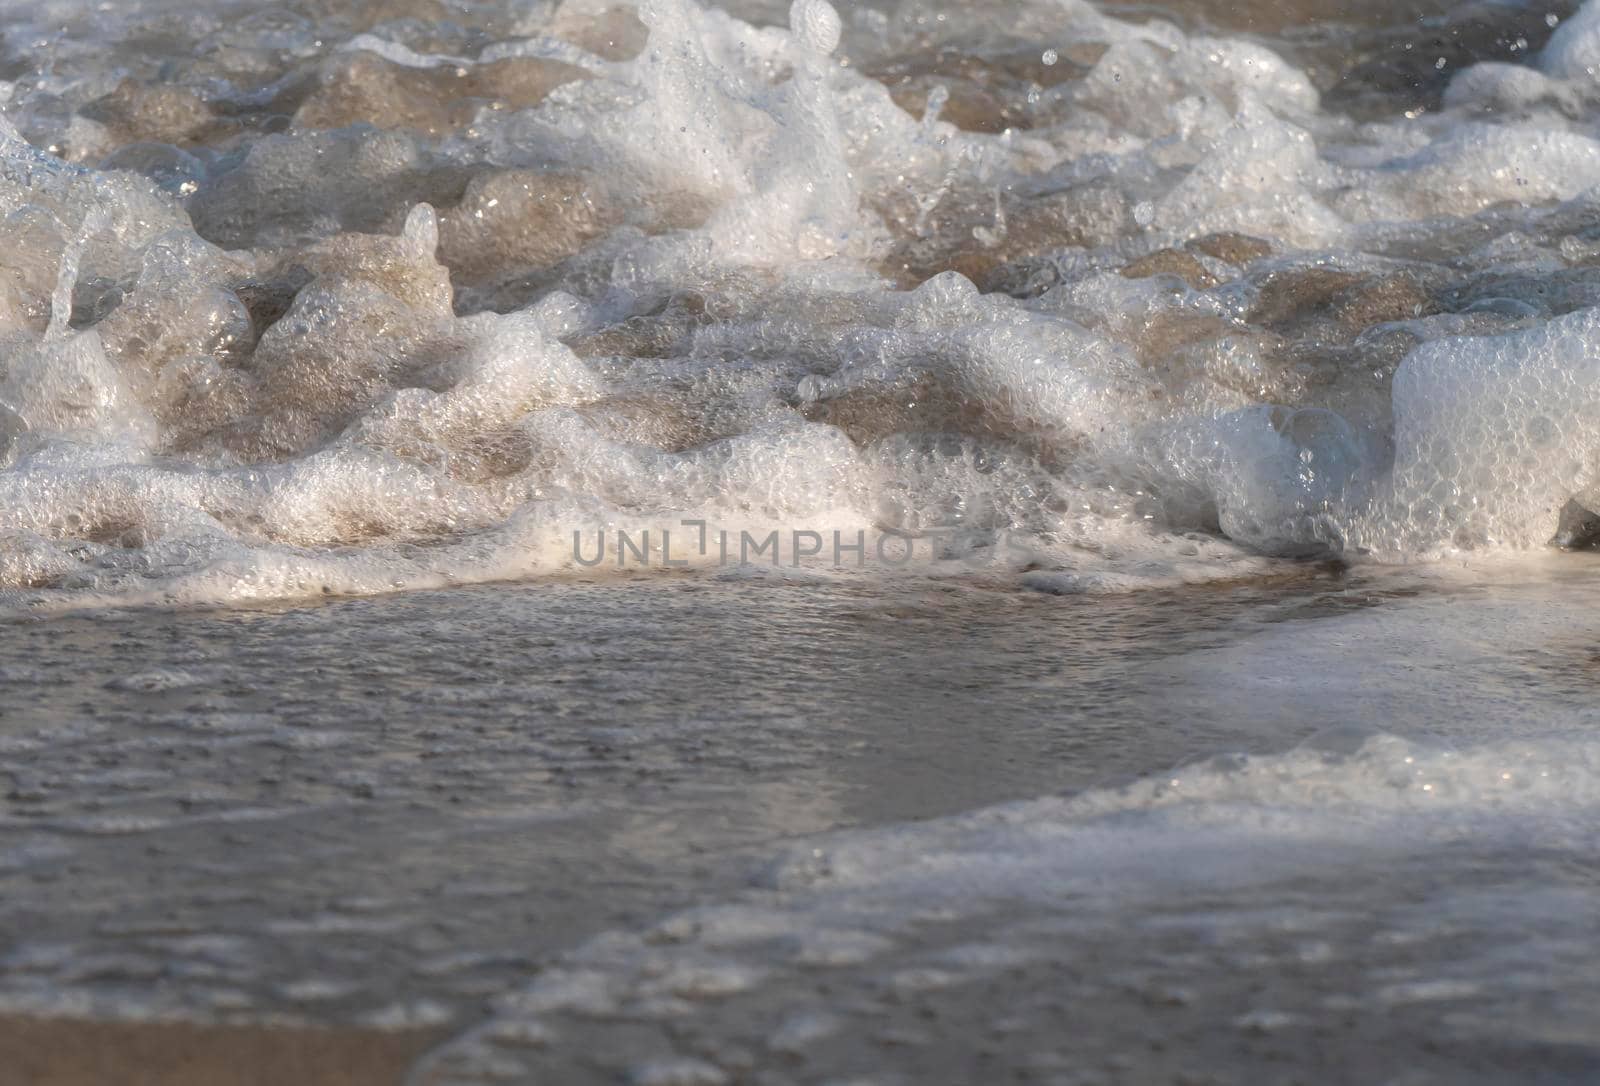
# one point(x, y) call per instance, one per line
point(298, 307)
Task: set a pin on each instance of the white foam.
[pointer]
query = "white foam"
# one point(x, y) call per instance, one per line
point(1493, 436)
point(1573, 51)
point(671, 287)
point(1244, 852)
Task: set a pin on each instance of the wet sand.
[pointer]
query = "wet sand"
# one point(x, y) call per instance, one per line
point(65, 1052)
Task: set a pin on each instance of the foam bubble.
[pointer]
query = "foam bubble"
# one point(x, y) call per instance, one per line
point(1573, 51)
point(816, 25)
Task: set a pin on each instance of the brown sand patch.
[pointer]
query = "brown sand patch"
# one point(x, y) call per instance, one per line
point(68, 1052)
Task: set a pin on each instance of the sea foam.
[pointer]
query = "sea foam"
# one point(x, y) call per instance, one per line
point(295, 308)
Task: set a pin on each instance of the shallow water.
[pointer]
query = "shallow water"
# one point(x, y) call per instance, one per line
point(1225, 370)
point(530, 761)
point(395, 811)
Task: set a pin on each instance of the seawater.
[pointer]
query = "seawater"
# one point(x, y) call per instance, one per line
point(1226, 373)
